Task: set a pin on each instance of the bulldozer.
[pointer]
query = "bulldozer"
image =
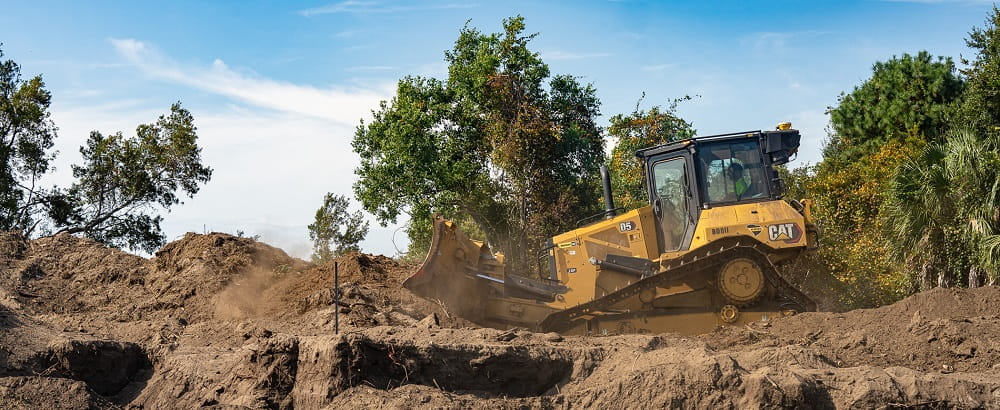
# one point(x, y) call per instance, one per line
point(702, 253)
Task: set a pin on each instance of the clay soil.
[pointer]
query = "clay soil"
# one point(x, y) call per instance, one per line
point(218, 321)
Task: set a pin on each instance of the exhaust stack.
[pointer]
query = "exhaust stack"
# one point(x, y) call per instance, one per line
point(609, 200)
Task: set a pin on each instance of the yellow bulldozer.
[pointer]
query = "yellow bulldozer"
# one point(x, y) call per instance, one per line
point(701, 254)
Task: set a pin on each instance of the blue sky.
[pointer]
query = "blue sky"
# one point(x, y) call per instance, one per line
point(277, 88)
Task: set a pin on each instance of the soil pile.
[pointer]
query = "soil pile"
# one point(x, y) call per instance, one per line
point(221, 321)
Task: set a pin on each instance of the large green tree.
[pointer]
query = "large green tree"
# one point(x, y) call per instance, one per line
point(942, 208)
point(908, 97)
point(909, 102)
point(500, 143)
point(981, 105)
point(26, 139)
point(124, 182)
point(120, 188)
point(636, 130)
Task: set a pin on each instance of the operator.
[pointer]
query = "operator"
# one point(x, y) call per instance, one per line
point(741, 182)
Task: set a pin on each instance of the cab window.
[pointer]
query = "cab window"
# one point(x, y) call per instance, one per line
point(670, 188)
point(732, 171)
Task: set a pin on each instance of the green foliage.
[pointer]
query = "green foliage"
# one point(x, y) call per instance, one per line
point(797, 180)
point(335, 231)
point(907, 97)
point(631, 132)
point(908, 102)
point(981, 108)
point(124, 180)
point(973, 166)
point(847, 209)
point(26, 139)
point(499, 143)
point(943, 207)
point(118, 189)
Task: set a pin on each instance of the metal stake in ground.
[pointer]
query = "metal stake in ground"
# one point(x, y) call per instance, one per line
point(336, 298)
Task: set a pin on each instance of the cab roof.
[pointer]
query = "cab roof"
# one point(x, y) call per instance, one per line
point(766, 136)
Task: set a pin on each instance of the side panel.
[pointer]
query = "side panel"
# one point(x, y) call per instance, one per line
point(630, 234)
point(774, 223)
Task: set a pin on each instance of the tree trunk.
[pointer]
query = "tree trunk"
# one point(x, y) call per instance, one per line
point(926, 276)
point(974, 281)
point(943, 279)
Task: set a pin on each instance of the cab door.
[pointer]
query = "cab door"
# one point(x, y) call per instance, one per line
point(670, 182)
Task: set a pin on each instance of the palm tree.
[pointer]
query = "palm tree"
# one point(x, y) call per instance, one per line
point(948, 197)
point(973, 163)
point(919, 211)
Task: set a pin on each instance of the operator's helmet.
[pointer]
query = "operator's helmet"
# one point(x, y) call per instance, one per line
point(735, 170)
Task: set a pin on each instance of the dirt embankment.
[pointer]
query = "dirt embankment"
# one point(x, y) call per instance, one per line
point(219, 321)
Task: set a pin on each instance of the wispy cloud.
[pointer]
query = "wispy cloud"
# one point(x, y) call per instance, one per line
point(373, 7)
point(436, 69)
point(346, 34)
point(568, 55)
point(776, 41)
point(658, 67)
point(372, 68)
point(341, 104)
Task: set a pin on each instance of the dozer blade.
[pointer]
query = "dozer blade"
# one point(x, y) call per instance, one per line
point(456, 272)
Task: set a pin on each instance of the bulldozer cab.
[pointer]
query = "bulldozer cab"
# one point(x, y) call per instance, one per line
point(692, 175)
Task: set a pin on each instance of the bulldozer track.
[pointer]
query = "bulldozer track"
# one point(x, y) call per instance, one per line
point(709, 257)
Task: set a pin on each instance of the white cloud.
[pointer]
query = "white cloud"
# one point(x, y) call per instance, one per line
point(270, 170)
point(340, 104)
point(275, 150)
point(371, 68)
point(438, 69)
point(658, 67)
point(776, 41)
point(373, 7)
point(567, 55)
point(346, 34)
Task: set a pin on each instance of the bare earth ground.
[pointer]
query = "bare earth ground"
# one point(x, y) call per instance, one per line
point(218, 321)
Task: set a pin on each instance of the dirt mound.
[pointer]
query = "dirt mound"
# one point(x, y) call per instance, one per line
point(189, 272)
point(222, 321)
point(66, 274)
point(938, 330)
point(402, 367)
point(36, 392)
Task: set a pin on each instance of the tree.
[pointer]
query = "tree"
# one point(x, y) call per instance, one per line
point(981, 105)
point(26, 139)
point(908, 103)
point(491, 144)
point(942, 208)
point(336, 231)
point(942, 212)
point(973, 165)
point(631, 132)
point(119, 188)
point(910, 97)
point(919, 212)
point(124, 181)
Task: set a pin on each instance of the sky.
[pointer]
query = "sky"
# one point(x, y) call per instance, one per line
point(278, 88)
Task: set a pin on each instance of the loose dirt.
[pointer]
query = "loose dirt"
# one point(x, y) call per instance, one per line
point(220, 321)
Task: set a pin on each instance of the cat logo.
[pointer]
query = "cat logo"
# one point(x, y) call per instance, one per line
point(755, 229)
point(788, 232)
